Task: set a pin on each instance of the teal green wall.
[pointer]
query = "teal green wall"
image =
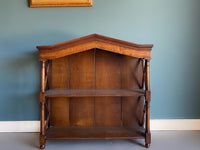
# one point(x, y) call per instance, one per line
point(171, 25)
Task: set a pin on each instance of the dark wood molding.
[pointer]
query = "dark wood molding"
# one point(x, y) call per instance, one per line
point(95, 41)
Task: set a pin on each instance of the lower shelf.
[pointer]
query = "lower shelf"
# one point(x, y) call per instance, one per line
point(62, 133)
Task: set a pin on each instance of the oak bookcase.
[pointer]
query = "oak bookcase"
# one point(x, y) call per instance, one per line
point(95, 87)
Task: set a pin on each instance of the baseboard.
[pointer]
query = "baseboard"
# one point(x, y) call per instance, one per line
point(175, 124)
point(156, 124)
point(19, 126)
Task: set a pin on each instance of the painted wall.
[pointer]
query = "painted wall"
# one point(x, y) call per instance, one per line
point(172, 26)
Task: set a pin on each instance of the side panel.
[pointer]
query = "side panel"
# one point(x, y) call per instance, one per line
point(132, 76)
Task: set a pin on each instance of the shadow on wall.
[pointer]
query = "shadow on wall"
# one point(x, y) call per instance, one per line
point(19, 79)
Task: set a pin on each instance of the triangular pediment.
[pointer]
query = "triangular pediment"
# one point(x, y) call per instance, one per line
point(95, 41)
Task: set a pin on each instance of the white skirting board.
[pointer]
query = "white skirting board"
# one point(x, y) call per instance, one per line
point(156, 124)
point(19, 126)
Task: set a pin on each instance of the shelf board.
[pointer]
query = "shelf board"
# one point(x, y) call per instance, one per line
point(92, 92)
point(64, 133)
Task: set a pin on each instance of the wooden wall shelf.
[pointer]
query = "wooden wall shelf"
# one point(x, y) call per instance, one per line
point(95, 87)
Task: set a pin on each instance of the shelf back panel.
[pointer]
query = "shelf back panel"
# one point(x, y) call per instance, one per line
point(82, 77)
point(107, 109)
point(96, 69)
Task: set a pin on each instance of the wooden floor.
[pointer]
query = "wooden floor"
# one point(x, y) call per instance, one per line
point(162, 140)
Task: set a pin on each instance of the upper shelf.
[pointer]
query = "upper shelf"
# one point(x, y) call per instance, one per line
point(95, 41)
point(93, 92)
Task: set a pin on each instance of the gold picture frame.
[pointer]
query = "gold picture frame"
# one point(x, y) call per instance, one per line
point(59, 3)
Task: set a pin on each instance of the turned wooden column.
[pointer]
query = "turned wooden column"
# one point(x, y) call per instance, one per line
point(42, 106)
point(147, 101)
